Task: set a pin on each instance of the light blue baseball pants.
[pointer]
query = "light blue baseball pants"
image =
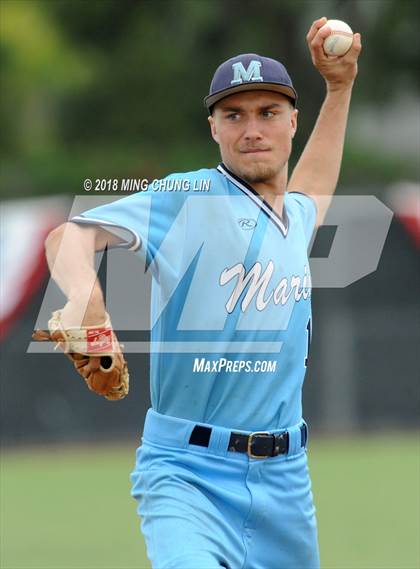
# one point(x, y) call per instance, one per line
point(207, 508)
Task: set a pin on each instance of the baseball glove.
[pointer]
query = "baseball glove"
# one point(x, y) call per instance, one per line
point(95, 352)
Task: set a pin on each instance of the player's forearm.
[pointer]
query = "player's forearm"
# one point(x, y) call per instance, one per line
point(318, 168)
point(70, 251)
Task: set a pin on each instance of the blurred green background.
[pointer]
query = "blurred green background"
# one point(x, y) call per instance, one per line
point(70, 507)
point(114, 89)
point(108, 88)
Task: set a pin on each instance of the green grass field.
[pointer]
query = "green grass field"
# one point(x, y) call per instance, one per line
point(70, 507)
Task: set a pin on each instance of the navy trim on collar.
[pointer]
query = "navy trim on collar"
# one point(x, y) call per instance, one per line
point(281, 222)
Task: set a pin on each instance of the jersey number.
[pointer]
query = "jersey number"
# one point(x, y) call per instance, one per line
point(309, 331)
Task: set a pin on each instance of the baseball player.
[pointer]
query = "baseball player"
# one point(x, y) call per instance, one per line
point(221, 476)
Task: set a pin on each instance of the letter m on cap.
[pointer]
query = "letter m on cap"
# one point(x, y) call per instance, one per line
point(241, 74)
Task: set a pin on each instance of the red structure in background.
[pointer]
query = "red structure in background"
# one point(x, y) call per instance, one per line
point(404, 199)
point(24, 227)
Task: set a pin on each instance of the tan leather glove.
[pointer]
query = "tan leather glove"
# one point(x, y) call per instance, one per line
point(95, 352)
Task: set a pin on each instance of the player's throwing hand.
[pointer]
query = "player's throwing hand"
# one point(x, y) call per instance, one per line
point(338, 71)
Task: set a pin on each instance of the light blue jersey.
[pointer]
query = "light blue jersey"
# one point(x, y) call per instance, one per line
point(230, 296)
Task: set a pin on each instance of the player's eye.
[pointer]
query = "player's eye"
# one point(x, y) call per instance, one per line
point(233, 116)
point(268, 114)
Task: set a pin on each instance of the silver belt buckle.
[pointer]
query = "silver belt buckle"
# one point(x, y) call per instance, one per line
point(250, 439)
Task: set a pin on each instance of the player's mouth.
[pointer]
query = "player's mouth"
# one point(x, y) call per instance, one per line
point(254, 151)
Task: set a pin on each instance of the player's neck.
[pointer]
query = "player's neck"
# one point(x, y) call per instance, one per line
point(273, 190)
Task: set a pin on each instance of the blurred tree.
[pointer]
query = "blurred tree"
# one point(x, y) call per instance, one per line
point(38, 67)
point(114, 88)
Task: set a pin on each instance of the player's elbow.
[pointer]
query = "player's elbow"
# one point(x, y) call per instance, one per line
point(68, 235)
point(52, 244)
point(72, 236)
point(54, 237)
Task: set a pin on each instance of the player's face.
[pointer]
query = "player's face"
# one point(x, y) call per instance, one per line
point(254, 130)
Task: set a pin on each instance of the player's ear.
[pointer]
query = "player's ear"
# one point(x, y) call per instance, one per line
point(293, 121)
point(213, 129)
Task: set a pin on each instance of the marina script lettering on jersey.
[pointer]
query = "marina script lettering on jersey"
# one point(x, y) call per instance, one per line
point(258, 284)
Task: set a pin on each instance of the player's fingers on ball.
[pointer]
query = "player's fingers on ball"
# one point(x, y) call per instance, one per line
point(319, 38)
point(356, 46)
point(317, 46)
point(318, 54)
point(314, 28)
point(353, 53)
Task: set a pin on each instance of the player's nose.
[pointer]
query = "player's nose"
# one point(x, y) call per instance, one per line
point(252, 129)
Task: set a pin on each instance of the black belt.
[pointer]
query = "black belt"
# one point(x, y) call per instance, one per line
point(255, 445)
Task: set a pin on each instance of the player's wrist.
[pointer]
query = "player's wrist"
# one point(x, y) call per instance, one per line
point(338, 94)
point(87, 307)
point(339, 87)
point(86, 294)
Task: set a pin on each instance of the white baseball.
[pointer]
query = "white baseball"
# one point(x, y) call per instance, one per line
point(340, 39)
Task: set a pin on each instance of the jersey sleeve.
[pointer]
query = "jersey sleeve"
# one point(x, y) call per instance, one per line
point(123, 217)
point(141, 220)
point(307, 211)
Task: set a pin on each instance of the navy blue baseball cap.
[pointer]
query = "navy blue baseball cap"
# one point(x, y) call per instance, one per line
point(248, 72)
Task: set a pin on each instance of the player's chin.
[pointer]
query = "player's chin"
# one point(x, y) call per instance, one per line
point(258, 172)
point(258, 161)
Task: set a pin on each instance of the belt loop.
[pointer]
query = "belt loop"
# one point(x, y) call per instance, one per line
point(224, 442)
point(294, 440)
point(219, 441)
